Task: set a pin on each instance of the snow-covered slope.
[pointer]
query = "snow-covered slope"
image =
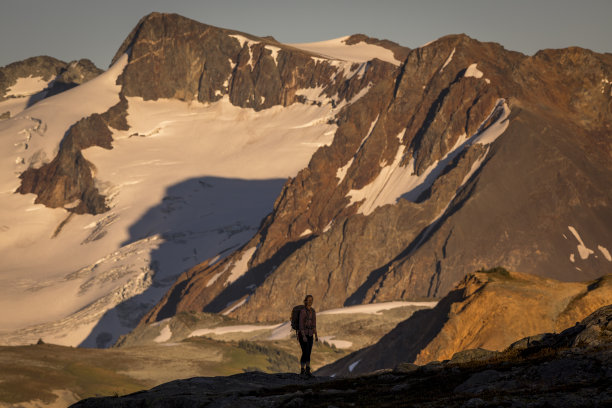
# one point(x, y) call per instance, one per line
point(187, 182)
point(339, 49)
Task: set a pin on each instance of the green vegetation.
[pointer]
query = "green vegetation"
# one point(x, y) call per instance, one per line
point(496, 272)
point(34, 372)
point(278, 359)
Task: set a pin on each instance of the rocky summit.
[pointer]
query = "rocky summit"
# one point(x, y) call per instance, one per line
point(569, 369)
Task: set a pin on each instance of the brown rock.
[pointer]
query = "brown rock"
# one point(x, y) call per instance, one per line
point(491, 311)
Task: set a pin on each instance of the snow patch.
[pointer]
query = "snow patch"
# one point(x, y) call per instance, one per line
point(275, 51)
point(352, 366)
point(328, 226)
point(307, 232)
point(583, 251)
point(395, 181)
point(27, 87)
point(338, 49)
point(241, 267)
point(247, 328)
point(605, 252)
point(215, 277)
point(164, 335)
point(243, 40)
point(572, 258)
point(235, 306)
point(341, 344)
point(177, 182)
point(376, 308)
point(473, 71)
point(448, 60)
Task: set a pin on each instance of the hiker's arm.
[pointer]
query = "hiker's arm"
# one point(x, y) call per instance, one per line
point(314, 320)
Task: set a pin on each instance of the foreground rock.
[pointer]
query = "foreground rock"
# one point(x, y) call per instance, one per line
point(570, 369)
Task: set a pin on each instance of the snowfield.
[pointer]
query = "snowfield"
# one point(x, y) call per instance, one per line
point(338, 49)
point(186, 183)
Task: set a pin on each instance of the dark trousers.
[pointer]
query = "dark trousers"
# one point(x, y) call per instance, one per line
point(306, 349)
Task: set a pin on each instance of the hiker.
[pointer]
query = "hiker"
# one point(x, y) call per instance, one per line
point(307, 329)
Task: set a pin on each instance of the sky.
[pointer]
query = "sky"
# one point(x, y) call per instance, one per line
point(94, 29)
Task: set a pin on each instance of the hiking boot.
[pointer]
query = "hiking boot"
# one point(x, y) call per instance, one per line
point(308, 373)
point(302, 371)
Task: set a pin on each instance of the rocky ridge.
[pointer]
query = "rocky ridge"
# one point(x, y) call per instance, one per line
point(463, 126)
point(487, 310)
point(60, 75)
point(572, 368)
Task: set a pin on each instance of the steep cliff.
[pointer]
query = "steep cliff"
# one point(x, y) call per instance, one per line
point(466, 156)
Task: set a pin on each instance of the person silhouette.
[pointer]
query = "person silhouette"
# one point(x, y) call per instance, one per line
point(307, 333)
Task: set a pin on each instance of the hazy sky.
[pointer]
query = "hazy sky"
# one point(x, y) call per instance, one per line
point(94, 29)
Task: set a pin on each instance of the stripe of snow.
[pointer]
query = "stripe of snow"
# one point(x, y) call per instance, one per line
point(341, 344)
point(240, 267)
point(572, 258)
point(164, 335)
point(246, 328)
point(376, 308)
point(491, 133)
point(312, 94)
point(605, 252)
point(308, 231)
point(473, 71)
point(341, 173)
point(448, 60)
point(352, 366)
point(275, 51)
point(236, 306)
point(395, 181)
point(215, 277)
point(582, 249)
point(243, 40)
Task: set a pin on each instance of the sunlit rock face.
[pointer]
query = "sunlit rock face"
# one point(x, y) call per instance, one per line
point(465, 156)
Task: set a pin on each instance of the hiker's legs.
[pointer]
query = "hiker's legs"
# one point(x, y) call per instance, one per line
point(306, 350)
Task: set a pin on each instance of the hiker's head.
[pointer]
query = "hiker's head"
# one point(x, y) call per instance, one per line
point(308, 300)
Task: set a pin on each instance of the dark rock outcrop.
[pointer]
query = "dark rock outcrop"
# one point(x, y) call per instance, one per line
point(68, 179)
point(62, 75)
point(43, 66)
point(175, 57)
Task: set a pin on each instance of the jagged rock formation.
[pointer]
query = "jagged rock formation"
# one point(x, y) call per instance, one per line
point(488, 310)
point(571, 369)
point(488, 157)
point(60, 75)
point(68, 178)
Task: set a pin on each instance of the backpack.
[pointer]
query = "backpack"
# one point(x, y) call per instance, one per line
point(295, 317)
